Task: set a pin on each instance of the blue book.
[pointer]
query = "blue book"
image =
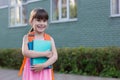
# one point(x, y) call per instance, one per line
point(40, 46)
point(30, 45)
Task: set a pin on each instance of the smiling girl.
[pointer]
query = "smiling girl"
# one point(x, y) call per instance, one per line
point(39, 21)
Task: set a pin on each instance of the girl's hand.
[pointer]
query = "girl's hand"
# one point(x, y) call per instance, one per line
point(37, 67)
point(49, 54)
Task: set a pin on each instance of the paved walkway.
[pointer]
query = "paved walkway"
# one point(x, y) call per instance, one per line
point(6, 74)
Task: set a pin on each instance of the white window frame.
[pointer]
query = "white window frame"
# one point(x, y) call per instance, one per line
point(27, 2)
point(5, 6)
point(20, 24)
point(60, 16)
point(31, 1)
point(111, 8)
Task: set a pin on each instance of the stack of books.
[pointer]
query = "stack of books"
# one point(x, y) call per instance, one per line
point(40, 46)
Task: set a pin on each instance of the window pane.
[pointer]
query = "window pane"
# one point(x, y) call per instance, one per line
point(19, 2)
point(24, 19)
point(55, 13)
point(73, 9)
point(12, 16)
point(115, 6)
point(18, 15)
point(64, 8)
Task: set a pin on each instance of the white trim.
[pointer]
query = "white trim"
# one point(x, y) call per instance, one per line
point(115, 15)
point(111, 7)
point(14, 16)
point(60, 21)
point(31, 1)
point(20, 25)
point(59, 9)
point(21, 15)
point(2, 7)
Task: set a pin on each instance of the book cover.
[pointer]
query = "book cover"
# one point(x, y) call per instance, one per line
point(30, 45)
point(40, 46)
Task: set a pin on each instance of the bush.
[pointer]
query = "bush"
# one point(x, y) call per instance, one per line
point(11, 58)
point(103, 62)
point(89, 61)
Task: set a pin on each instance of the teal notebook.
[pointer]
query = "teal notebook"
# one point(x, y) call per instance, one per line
point(40, 46)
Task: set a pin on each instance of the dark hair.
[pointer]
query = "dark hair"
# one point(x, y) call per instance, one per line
point(38, 13)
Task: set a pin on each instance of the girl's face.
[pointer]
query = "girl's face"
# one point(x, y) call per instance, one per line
point(39, 25)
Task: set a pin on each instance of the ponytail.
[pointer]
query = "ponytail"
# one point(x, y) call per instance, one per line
point(31, 30)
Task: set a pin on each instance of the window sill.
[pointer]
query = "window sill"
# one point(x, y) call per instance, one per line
point(31, 1)
point(61, 21)
point(18, 26)
point(115, 15)
point(2, 7)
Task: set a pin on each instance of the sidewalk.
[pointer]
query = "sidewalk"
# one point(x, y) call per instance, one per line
point(6, 74)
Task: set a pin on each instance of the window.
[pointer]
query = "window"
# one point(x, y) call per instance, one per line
point(115, 7)
point(17, 12)
point(63, 10)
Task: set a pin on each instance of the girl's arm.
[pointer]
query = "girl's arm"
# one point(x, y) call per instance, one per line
point(30, 53)
point(54, 57)
point(50, 61)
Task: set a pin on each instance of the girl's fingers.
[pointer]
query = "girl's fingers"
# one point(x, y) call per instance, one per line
point(35, 68)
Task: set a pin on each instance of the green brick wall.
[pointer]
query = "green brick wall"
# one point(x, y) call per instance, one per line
point(10, 37)
point(94, 26)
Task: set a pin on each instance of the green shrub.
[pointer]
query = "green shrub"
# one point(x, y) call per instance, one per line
point(11, 58)
point(103, 62)
point(89, 61)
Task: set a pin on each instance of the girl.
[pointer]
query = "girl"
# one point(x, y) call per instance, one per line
point(38, 20)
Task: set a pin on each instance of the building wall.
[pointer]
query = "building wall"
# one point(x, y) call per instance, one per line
point(93, 28)
point(10, 37)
